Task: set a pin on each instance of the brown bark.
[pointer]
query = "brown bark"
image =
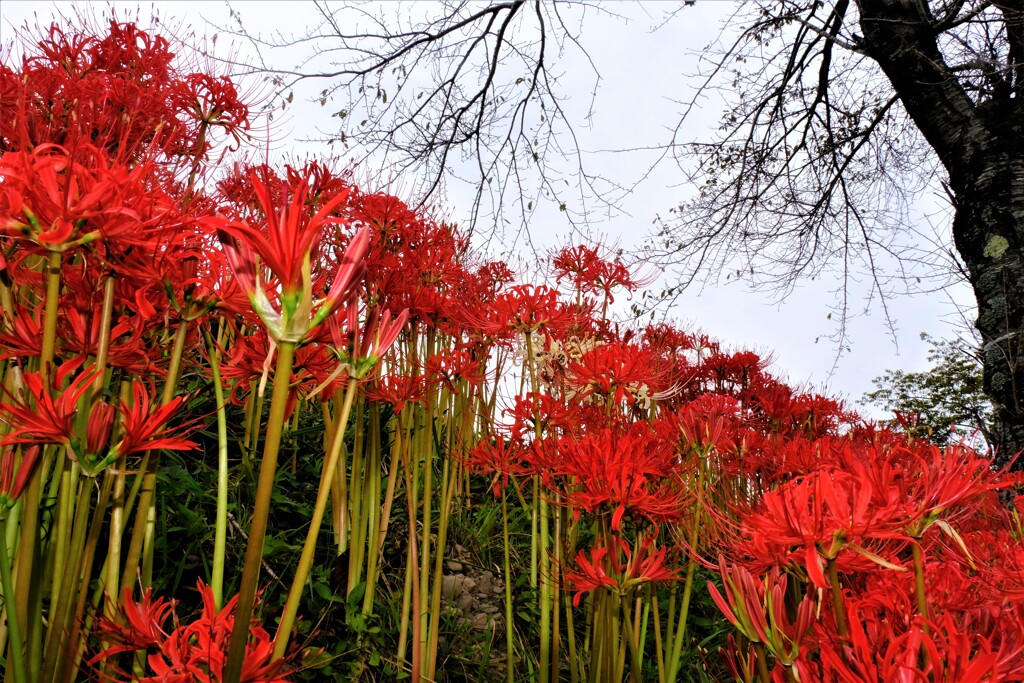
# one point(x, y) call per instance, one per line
point(981, 145)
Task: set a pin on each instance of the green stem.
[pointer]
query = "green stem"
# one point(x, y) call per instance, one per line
point(61, 612)
point(634, 648)
point(372, 506)
point(543, 558)
point(356, 518)
point(684, 609)
point(659, 646)
point(291, 606)
point(837, 598)
point(919, 587)
point(507, 569)
point(103, 345)
point(221, 524)
point(382, 522)
point(412, 576)
point(447, 491)
point(27, 575)
point(261, 511)
point(61, 528)
point(16, 649)
point(140, 550)
point(77, 640)
point(49, 341)
point(762, 663)
point(425, 450)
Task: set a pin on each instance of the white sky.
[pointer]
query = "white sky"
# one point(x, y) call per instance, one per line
point(642, 72)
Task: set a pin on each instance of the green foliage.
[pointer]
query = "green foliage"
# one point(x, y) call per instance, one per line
point(948, 399)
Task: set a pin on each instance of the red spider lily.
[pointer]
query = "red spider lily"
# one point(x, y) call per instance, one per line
point(709, 424)
point(741, 665)
point(788, 412)
point(556, 417)
point(758, 611)
point(49, 197)
point(492, 277)
point(417, 265)
point(500, 457)
point(743, 606)
point(592, 274)
point(529, 309)
point(46, 418)
point(145, 429)
point(950, 655)
point(591, 574)
point(14, 479)
point(667, 340)
point(212, 102)
point(22, 336)
point(732, 373)
point(616, 567)
point(195, 651)
point(129, 349)
point(451, 366)
point(54, 202)
point(398, 390)
point(101, 422)
point(289, 250)
point(999, 560)
point(144, 626)
point(817, 517)
point(647, 566)
point(362, 346)
point(628, 471)
point(111, 91)
point(120, 92)
point(616, 370)
point(943, 478)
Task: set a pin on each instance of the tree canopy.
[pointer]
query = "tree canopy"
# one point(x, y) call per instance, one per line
point(945, 402)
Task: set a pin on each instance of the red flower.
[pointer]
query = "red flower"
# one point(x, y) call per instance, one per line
point(528, 308)
point(289, 249)
point(500, 457)
point(592, 274)
point(939, 652)
point(398, 390)
point(363, 345)
point(618, 370)
point(46, 418)
point(615, 566)
point(816, 518)
point(145, 428)
point(614, 473)
point(591, 574)
point(192, 652)
point(757, 609)
point(144, 626)
point(13, 481)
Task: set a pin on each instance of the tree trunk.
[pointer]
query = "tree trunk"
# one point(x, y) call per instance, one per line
point(981, 146)
point(988, 229)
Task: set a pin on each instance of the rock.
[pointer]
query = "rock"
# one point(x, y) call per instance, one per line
point(454, 566)
point(486, 582)
point(449, 584)
point(480, 622)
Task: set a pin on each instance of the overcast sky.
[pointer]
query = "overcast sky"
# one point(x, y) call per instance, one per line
point(644, 75)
